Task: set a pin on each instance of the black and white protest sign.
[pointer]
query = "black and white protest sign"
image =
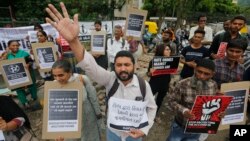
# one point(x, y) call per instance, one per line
point(15, 74)
point(236, 111)
point(127, 114)
point(45, 55)
point(63, 110)
point(135, 23)
point(165, 65)
point(98, 39)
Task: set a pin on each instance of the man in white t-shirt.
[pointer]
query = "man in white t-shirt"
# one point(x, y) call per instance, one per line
point(202, 19)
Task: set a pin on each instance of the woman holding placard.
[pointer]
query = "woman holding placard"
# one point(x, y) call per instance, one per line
point(13, 53)
point(62, 72)
point(157, 81)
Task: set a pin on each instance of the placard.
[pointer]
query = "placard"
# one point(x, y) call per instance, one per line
point(15, 73)
point(126, 114)
point(135, 23)
point(165, 65)
point(62, 113)
point(45, 55)
point(98, 42)
point(236, 113)
point(206, 110)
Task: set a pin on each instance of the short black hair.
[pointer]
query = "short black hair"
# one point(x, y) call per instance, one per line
point(206, 63)
point(240, 17)
point(63, 64)
point(98, 22)
point(125, 53)
point(238, 43)
point(11, 41)
point(200, 31)
point(202, 15)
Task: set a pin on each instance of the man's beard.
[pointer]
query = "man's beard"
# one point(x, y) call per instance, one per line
point(201, 84)
point(124, 76)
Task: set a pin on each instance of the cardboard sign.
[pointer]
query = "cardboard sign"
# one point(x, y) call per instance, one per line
point(62, 113)
point(236, 112)
point(135, 23)
point(222, 50)
point(165, 65)
point(98, 42)
point(206, 110)
point(14, 73)
point(126, 114)
point(45, 55)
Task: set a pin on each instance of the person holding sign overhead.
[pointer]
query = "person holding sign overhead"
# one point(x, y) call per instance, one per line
point(62, 72)
point(157, 81)
point(14, 53)
point(127, 90)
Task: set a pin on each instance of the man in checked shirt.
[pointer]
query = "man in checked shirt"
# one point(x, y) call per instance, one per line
point(181, 98)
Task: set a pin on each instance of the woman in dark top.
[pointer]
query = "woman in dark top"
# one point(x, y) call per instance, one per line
point(159, 83)
point(13, 120)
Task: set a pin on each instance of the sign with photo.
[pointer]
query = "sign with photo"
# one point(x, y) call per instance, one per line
point(236, 112)
point(165, 65)
point(45, 55)
point(62, 113)
point(15, 73)
point(135, 23)
point(98, 42)
point(206, 110)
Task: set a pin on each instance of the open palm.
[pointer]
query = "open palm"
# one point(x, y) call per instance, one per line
point(64, 25)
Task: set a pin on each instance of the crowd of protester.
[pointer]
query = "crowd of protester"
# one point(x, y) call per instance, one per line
point(203, 72)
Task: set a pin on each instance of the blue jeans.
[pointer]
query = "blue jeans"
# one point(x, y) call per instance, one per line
point(177, 134)
point(110, 136)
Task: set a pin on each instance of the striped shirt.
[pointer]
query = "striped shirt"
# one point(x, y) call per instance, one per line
point(225, 74)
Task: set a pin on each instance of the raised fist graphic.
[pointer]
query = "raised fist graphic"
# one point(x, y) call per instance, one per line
point(209, 107)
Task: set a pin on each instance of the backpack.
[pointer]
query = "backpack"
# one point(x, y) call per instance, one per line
point(115, 86)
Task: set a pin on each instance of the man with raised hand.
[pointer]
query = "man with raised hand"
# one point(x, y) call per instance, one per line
point(128, 83)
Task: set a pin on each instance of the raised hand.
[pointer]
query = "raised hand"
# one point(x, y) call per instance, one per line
point(64, 25)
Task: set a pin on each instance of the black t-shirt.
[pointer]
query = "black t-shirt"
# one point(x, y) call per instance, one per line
point(191, 54)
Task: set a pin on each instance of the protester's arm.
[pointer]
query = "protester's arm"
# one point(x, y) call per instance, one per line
point(11, 125)
point(174, 98)
point(191, 33)
point(67, 28)
point(214, 46)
